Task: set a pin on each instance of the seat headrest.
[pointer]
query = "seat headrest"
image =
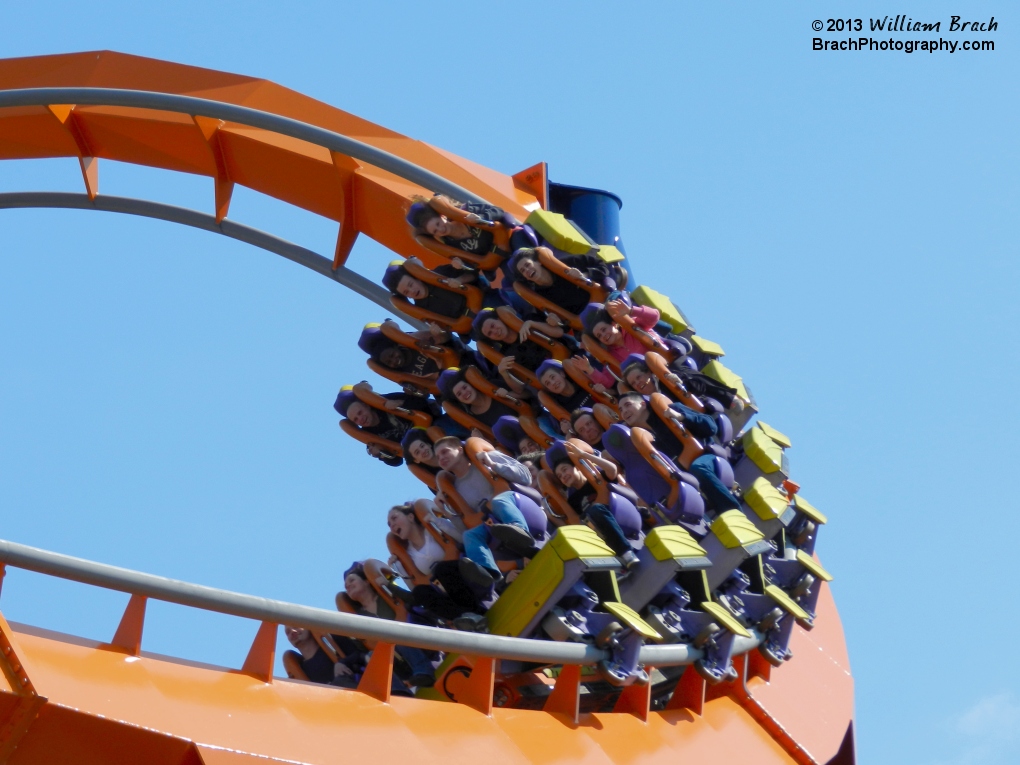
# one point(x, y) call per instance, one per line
point(631, 360)
point(508, 432)
point(592, 314)
point(391, 278)
point(373, 341)
point(448, 379)
point(479, 320)
point(344, 399)
point(418, 214)
point(556, 454)
point(546, 365)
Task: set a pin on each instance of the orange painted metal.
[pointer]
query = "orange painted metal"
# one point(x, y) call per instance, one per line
point(154, 708)
point(361, 198)
point(129, 632)
point(68, 700)
point(377, 679)
point(566, 694)
point(104, 707)
point(262, 654)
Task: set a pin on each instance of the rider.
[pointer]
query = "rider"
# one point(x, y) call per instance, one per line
point(581, 496)
point(636, 413)
point(526, 266)
point(453, 387)
point(380, 423)
point(477, 493)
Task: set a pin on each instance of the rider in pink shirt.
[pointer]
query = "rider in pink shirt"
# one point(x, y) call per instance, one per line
point(599, 322)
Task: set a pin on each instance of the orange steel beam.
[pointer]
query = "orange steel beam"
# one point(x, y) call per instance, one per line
point(101, 708)
point(360, 197)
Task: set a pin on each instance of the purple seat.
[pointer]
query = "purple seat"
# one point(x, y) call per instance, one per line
point(724, 470)
point(626, 515)
point(725, 434)
point(528, 502)
point(643, 478)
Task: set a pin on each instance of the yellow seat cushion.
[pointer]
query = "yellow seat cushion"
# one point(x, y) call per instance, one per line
point(646, 296)
point(813, 566)
point(559, 232)
point(632, 619)
point(610, 253)
point(787, 603)
point(721, 373)
point(812, 512)
point(763, 451)
point(780, 438)
point(734, 529)
point(768, 502)
point(707, 347)
point(666, 542)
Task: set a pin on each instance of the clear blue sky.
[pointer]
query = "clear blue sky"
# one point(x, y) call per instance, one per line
point(844, 224)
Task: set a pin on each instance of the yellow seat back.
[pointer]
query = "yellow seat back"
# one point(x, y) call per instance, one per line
point(559, 232)
point(530, 591)
point(653, 299)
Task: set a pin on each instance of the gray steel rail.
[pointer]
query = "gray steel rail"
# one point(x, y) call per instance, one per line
point(242, 115)
point(187, 217)
point(279, 612)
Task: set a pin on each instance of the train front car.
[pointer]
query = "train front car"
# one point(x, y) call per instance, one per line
point(706, 630)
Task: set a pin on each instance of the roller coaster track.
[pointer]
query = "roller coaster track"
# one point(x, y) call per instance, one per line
point(62, 696)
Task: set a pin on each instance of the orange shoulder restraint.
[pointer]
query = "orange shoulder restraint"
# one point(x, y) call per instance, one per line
point(546, 306)
point(427, 477)
point(605, 416)
point(692, 447)
point(486, 262)
point(478, 382)
point(657, 366)
point(459, 324)
point(424, 511)
point(580, 378)
point(465, 419)
point(508, 316)
point(403, 378)
point(601, 354)
point(389, 448)
point(445, 357)
point(534, 431)
point(552, 406)
point(376, 569)
point(456, 503)
point(557, 509)
point(524, 375)
point(398, 549)
point(596, 292)
point(366, 395)
point(647, 338)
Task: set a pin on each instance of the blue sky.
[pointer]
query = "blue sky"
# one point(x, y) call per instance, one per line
point(844, 224)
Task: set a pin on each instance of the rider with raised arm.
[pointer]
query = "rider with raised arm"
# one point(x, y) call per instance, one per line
point(636, 413)
point(476, 491)
point(582, 496)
